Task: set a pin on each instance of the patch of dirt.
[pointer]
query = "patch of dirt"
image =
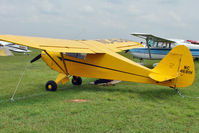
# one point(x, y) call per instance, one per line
point(77, 100)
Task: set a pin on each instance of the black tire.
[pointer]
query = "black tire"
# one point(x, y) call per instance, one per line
point(76, 80)
point(51, 85)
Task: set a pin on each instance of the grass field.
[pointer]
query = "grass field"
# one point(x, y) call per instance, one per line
point(126, 107)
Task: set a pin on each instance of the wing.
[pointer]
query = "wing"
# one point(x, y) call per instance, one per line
point(55, 45)
point(69, 46)
point(155, 38)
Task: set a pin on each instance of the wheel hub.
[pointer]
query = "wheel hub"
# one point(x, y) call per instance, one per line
point(50, 86)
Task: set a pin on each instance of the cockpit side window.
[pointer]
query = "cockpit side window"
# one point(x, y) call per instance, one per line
point(77, 55)
point(162, 45)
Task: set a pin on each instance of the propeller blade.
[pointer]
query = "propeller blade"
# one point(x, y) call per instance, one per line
point(36, 58)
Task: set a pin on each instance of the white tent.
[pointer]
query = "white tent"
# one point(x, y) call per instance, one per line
point(5, 52)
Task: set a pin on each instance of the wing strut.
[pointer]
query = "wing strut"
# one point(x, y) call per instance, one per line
point(55, 62)
point(64, 64)
point(147, 43)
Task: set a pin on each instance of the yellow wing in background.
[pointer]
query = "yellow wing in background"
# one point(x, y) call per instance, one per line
point(119, 45)
point(71, 46)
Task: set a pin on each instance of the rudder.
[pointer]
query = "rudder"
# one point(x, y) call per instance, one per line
point(177, 66)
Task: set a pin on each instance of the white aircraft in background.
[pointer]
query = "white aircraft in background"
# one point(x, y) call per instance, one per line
point(15, 48)
point(157, 47)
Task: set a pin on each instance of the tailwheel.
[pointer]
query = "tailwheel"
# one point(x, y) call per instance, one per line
point(76, 80)
point(51, 85)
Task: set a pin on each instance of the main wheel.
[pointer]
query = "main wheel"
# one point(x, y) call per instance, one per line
point(51, 85)
point(77, 80)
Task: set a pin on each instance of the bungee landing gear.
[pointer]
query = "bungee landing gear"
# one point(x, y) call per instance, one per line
point(52, 85)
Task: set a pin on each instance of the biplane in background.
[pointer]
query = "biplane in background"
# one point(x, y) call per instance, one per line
point(99, 59)
point(157, 47)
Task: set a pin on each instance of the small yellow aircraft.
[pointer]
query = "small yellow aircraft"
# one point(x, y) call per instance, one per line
point(99, 59)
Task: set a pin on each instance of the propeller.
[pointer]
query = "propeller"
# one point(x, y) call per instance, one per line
point(36, 58)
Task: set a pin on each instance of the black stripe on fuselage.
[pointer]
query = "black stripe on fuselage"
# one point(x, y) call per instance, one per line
point(101, 67)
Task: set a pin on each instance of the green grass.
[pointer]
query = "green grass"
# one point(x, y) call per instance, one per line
point(126, 107)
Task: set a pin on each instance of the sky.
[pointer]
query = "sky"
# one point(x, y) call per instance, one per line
point(98, 19)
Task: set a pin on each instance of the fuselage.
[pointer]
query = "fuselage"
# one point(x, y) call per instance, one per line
point(107, 66)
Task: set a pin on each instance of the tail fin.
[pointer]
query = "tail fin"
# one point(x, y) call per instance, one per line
point(177, 66)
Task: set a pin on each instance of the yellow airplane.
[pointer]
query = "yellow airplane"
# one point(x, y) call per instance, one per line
point(99, 59)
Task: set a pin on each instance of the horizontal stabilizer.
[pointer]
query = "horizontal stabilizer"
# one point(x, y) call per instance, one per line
point(161, 77)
